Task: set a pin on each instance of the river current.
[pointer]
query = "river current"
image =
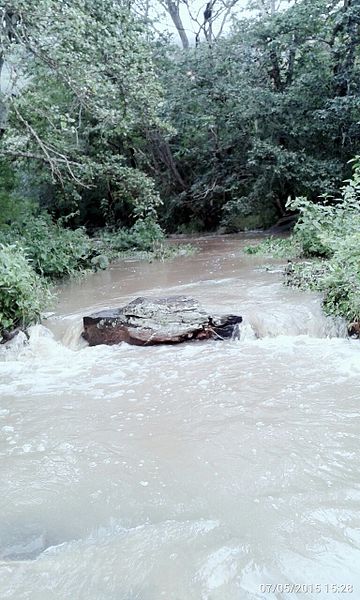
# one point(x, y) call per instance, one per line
point(203, 471)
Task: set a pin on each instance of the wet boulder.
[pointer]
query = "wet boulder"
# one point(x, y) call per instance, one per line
point(354, 330)
point(28, 548)
point(151, 321)
point(17, 338)
point(7, 336)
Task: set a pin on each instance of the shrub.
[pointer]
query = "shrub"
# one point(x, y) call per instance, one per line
point(332, 231)
point(145, 235)
point(341, 283)
point(53, 250)
point(23, 295)
point(329, 233)
point(338, 278)
point(321, 226)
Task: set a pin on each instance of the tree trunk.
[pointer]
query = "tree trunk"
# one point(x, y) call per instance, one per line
point(275, 71)
point(291, 62)
point(174, 12)
point(3, 110)
point(161, 147)
point(1, 67)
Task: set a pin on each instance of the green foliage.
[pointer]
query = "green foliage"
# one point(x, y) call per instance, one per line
point(7, 208)
point(270, 111)
point(321, 227)
point(53, 250)
point(145, 235)
point(329, 234)
point(100, 262)
point(145, 240)
point(314, 226)
point(47, 250)
point(332, 231)
point(337, 278)
point(341, 283)
point(87, 97)
point(275, 247)
point(23, 294)
point(103, 119)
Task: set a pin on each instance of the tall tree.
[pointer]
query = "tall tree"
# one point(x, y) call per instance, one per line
point(259, 116)
point(194, 20)
point(88, 95)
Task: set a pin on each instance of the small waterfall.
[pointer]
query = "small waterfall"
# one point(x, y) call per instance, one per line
point(72, 337)
point(304, 321)
point(245, 331)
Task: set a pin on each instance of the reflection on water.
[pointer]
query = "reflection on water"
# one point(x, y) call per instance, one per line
point(192, 472)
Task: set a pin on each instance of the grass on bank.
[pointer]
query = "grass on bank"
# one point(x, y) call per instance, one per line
point(275, 248)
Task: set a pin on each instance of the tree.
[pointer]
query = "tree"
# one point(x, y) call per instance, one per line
point(88, 94)
point(193, 20)
point(259, 117)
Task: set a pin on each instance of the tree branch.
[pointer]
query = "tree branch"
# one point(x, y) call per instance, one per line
point(50, 155)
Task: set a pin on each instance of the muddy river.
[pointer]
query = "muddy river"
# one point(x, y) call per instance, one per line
point(220, 470)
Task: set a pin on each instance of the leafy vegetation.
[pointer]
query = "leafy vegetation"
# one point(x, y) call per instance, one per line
point(143, 236)
point(53, 250)
point(276, 247)
point(217, 134)
point(329, 234)
point(332, 230)
point(23, 294)
point(268, 112)
point(112, 136)
point(89, 96)
point(46, 250)
point(144, 240)
point(80, 98)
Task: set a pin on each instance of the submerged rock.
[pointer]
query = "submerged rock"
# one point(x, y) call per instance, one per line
point(354, 330)
point(150, 321)
point(28, 549)
point(13, 339)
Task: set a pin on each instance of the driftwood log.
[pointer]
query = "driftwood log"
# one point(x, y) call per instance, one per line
point(150, 321)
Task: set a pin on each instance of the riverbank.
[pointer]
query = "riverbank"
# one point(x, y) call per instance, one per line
point(339, 287)
point(323, 253)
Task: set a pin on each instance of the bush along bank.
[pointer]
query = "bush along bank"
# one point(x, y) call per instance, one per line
point(327, 233)
point(23, 293)
point(35, 251)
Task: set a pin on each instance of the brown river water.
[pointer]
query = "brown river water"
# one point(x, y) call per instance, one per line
point(223, 470)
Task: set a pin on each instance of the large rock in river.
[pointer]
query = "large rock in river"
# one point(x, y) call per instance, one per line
point(149, 321)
